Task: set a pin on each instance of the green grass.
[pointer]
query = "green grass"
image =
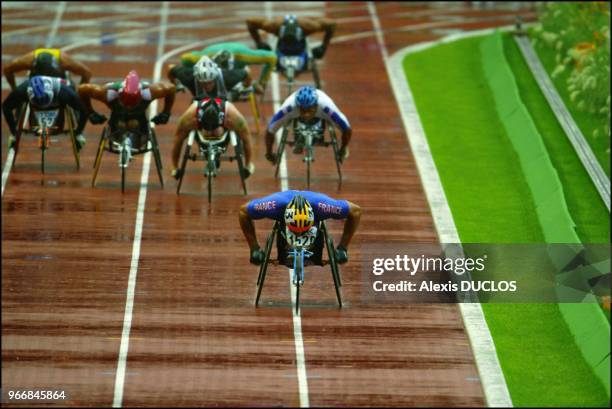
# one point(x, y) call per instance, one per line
point(587, 122)
point(491, 202)
point(584, 203)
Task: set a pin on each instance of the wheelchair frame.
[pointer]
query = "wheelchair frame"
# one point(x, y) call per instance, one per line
point(299, 265)
point(125, 152)
point(309, 149)
point(209, 151)
point(27, 116)
point(290, 74)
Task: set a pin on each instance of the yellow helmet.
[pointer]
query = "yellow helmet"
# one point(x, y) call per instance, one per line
point(299, 216)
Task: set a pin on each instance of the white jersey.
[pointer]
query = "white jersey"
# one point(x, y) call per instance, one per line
point(326, 110)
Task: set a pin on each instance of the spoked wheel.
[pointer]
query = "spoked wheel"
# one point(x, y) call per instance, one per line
point(332, 263)
point(124, 162)
point(264, 266)
point(157, 156)
point(98, 160)
point(281, 150)
point(44, 143)
point(334, 142)
point(315, 74)
point(75, 150)
point(184, 163)
point(239, 151)
point(298, 267)
point(210, 172)
point(308, 159)
point(23, 121)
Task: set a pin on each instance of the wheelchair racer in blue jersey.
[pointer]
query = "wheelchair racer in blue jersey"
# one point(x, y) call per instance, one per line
point(309, 105)
point(298, 213)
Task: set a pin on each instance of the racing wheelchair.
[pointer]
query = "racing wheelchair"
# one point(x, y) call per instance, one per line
point(290, 66)
point(45, 123)
point(213, 150)
point(127, 143)
point(301, 252)
point(309, 135)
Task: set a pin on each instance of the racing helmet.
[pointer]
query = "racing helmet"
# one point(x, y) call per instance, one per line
point(205, 70)
point(290, 30)
point(46, 64)
point(223, 59)
point(306, 97)
point(299, 215)
point(40, 91)
point(210, 114)
point(130, 91)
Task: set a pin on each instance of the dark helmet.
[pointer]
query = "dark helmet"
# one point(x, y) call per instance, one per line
point(46, 64)
point(223, 59)
point(210, 114)
point(290, 30)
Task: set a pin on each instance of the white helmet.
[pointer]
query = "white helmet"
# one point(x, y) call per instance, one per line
point(205, 70)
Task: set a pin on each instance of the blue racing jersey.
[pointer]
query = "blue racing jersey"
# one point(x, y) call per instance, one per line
point(273, 206)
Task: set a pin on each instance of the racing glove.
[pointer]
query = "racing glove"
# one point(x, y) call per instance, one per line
point(341, 255)
point(161, 118)
point(271, 157)
point(257, 256)
point(262, 45)
point(318, 52)
point(96, 118)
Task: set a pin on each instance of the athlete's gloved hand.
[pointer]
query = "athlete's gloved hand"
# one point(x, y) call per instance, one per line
point(262, 45)
point(318, 52)
point(341, 255)
point(257, 256)
point(96, 118)
point(161, 118)
point(271, 157)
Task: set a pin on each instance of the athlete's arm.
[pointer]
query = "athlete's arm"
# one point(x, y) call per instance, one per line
point(23, 63)
point(14, 100)
point(351, 224)
point(187, 123)
point(317, 25)
point(164, 90)
point(285, 113)
point(70, 64)
point(255, 24)
point(89, 91)
point(248, 227)
point(235, 121)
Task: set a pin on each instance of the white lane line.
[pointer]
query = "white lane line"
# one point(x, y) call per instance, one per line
point(56, 22)
point(142, 199)
point(297, 319)
point(491, 375)
point(7, 167)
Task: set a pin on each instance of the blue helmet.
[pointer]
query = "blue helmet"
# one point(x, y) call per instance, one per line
point(306, 97)
point(40, 91)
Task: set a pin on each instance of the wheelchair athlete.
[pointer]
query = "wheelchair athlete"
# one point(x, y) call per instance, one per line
point(212, 117)
point(298, 213)
point(206, 80)
point(128, 102)
point(309, 105)
point(50, 62)
point(44, 93)
point(234, 55)
point(292, 32)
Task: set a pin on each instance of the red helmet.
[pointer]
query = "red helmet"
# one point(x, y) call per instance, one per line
point(129, 94)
